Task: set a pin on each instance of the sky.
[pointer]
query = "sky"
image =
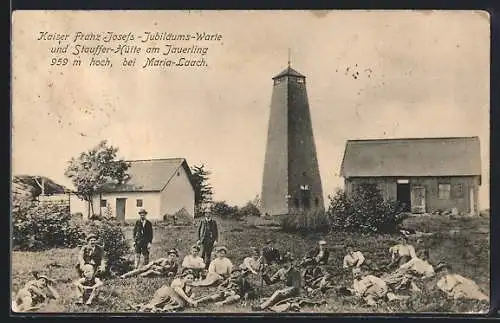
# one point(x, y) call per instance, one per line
point(421, 74)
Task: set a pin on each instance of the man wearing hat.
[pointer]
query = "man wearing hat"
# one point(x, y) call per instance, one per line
point(35, 294)
point(208, 234)
point(143, 236)
point(91, 254)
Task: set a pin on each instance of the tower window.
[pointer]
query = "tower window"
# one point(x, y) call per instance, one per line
point(277, 81)
point(304, 187)
point(300, 80)
point(296, 202)
point(316, 201)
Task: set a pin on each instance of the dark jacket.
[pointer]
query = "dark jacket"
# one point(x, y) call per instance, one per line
point(143, 235)
point(94, 257)
point(291, 278)
point(208, 231)
point(324, 259)
point(271, 255)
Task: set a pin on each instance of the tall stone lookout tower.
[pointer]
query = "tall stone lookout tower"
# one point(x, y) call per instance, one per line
point(291, 180)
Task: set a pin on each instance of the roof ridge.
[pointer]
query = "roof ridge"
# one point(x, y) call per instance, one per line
point(154, 159)
point(412, 138)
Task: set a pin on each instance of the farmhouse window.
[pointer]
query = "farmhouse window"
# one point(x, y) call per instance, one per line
point(104, 203)
point(139, 203)
point(458, 190)
point(444, 191)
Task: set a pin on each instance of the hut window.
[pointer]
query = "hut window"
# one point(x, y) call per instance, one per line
point(104, 203)
point(138, 202)
point(444, 191)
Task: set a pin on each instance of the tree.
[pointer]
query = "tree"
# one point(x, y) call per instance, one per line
point(203, 190)
point(91, 170)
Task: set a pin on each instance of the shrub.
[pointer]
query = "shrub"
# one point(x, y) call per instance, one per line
point(306, 222)
point(249, 210)
point(39, 226)
point(223, 210)
point(113, 240)
point(365, 211)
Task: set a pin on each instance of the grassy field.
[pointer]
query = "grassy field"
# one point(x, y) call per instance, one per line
point(464, 243)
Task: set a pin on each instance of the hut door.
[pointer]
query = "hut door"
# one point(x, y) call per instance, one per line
point(120, 209)
point(418, 199)
point(471, 202)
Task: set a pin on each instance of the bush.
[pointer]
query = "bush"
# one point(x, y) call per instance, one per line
point(249, 210)
point(223, 210)
point(307, 222)
point(39, 226)
point(365, 211)
point(113, 240)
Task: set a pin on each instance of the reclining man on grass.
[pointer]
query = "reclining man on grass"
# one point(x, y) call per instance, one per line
point(166, 267)
point(316, 278)
point(236, 288)
point(410, 275)
point(456, 286)
point(35, 294)
point(170, 298)
point(287, 274)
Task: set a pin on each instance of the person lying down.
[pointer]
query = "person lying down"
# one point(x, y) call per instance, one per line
point(171, 298)
point(166, 267)
point(232, 290)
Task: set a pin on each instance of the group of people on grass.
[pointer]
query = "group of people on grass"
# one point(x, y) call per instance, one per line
point(304, 281)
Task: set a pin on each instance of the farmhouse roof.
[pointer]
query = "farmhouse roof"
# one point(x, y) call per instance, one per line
point(149, 175)
point(454, 156)
point(288, 72)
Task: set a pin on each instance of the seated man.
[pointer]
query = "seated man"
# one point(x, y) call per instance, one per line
point(166, 267)
point(220, 268)
point(87, 287)
point(353, 259)
point(91, 254)
point(253, 263)
point(236, 288)
point(194, 262)
point(408, 273)
point(291, 278)
point(369, 288)
point(174, 297)
point(320, 254)
point(401, 253)
point(315, 277)
point(270, 255)
point(456, 286)
point(35, 294)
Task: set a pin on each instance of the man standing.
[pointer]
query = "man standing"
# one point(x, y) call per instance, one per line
point(208, 234)
point(143, 236)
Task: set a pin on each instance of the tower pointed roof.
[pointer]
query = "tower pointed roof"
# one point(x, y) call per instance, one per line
point(288, 72)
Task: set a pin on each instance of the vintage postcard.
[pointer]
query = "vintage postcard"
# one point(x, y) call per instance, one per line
point(250, 161)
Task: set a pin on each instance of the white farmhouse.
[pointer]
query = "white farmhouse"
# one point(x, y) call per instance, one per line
point(162, 186)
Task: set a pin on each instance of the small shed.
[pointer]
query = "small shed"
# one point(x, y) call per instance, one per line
point(424, 174)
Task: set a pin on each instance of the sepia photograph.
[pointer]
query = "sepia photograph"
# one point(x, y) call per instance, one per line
point(305, 161)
